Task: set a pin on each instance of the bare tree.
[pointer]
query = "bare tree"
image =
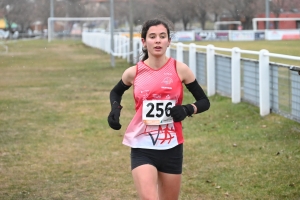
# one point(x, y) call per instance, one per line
point(250, 10)
point(74, 8)
point(96, 9)
point(25, 12)
point(243, 10)
point(279, 6)
point(168, 9)
point(294, 5)
point(186, 12)
point(201, 9)
point(176, 11)
point(19, 12)
point(217, 8)
point(143, 10)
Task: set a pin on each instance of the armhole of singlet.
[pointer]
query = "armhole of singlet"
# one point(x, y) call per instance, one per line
point(175, 66)
point(136, 73)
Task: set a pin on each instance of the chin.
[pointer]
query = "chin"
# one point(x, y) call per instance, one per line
point(158, 54)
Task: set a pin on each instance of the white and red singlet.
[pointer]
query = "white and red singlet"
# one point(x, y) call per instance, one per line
point(155, 92)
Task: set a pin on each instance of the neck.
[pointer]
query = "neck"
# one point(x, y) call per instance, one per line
point(156, 62)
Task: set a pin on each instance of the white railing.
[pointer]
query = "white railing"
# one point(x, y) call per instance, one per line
point(102, 41)
point(264, 73)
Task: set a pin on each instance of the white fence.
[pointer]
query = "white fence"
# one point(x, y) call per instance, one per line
point(255, 81)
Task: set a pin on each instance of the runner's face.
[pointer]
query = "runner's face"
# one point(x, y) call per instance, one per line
point(157, 40)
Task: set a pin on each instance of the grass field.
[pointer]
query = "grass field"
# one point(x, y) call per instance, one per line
point(286, 47)
point(55, 142)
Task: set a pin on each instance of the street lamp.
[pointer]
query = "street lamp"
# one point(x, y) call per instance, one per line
point(130, 31)
point(112, 44)
point(51, 9)
point(267, 13)
point(66, 6)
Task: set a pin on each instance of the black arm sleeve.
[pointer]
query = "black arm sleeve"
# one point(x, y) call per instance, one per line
point(117, 92)
point(202, 102)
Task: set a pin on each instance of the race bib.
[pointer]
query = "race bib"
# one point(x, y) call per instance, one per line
point(157, 112)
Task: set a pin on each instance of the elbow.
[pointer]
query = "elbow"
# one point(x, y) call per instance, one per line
point(202, 105)
point(206, 105)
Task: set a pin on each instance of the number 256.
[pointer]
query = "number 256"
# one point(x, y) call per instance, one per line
point(159, 109)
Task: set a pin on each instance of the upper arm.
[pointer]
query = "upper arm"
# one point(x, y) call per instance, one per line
point(129, 75)
point(185, 73)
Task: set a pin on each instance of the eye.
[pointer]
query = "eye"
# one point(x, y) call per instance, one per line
point(163, 35)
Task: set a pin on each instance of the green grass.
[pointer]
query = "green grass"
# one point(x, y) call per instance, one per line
point(55, 142)
point(286, 47)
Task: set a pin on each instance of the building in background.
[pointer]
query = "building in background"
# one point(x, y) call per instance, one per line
point(290, 24)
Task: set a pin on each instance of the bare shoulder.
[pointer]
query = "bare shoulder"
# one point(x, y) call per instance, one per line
point(129, 75)
point(184, 72)
point(181, 65)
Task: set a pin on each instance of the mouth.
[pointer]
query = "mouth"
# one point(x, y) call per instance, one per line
point(157, 48)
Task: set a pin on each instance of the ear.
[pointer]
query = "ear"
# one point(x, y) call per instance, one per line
point(143, 41)
point(169, 42)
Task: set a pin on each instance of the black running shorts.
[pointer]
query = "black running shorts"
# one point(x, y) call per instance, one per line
point(167, 161)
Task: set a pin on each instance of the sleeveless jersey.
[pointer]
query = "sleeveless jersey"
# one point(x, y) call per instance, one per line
point(151, 85)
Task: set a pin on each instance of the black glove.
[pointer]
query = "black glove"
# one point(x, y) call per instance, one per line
point(114, 116)
point(180, 112)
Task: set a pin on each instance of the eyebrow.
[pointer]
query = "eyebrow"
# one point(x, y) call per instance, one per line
point(162, 33)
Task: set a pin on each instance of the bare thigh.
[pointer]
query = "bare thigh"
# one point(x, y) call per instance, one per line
point(145, 181)
point(169, 186)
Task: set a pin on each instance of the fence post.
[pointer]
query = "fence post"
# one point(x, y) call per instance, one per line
point(128, 50)
point(210, 65)
point(264, 82)
point(192, 57)
point(135, 50)
point(119, 47)
point(116, 45)
point(107, 44)
point(97, 41)
point(236, 75)
point(124, 47)
point(179, 52)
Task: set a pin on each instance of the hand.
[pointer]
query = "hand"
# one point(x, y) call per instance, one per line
point(180, 112)
point(114, 116)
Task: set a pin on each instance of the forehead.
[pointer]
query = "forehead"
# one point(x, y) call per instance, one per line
point(157, 29)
